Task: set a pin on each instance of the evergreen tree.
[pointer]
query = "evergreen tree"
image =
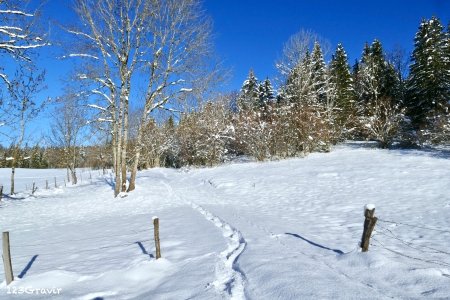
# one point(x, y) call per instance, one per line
point(429, 80)
point(249, 95)
point(341, 83)
point(266, 93)
point(376, 77)
point(299, 86)
point(318, 73)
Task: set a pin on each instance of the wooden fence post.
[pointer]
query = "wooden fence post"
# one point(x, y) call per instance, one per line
point(64, 182)
point(369, 225)
point(55, 183)
point(157, 243)
point(1, 192)
point(46, 184)
point(33, 188)
point(7, 258)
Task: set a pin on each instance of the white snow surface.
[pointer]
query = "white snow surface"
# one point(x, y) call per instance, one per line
point(369, 206)
point(277, 230)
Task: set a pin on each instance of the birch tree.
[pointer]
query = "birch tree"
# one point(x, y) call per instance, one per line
point(158, 44)
point(23, 107)
point(69, 121)
point(17, 35)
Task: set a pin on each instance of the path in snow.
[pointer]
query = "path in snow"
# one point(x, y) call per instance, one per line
point(229, 278)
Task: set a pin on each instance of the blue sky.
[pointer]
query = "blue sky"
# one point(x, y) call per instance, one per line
point(251, 33)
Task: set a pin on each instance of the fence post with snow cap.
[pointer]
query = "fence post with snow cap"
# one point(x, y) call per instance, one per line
point(7, 258)
point(369, 225)
point(156, 232)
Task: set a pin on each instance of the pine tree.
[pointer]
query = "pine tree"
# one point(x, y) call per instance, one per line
point(380, 115)
point(249, 95)
point(341, 84)
point(429, 80)
point(299, 86)
point(318, 73)
point(266, 93)
point(376, 77)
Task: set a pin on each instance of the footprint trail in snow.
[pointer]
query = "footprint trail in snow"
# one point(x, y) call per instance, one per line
point(230, 280)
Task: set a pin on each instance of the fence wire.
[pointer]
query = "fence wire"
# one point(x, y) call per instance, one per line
point(415, 226)
point(422, 250)
point(59, 242)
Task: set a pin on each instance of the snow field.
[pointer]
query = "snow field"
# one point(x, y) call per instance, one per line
point(279, 230)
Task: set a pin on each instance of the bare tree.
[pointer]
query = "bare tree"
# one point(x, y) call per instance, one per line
point(69, 120)
point(164, 41)
point(296, 48)
point(22, 107)
point(17, 33)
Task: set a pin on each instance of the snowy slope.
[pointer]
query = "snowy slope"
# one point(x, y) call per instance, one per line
point(278, 230)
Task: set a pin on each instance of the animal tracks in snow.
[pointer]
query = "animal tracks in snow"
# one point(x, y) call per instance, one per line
point(229, 276)
point(230, 280)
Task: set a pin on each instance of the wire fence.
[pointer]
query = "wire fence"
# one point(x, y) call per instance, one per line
point(391, 241)
point(30, 184)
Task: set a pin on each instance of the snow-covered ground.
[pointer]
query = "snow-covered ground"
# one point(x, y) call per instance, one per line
point(276, 230)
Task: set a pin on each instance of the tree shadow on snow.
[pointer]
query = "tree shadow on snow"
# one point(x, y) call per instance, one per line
point(315, 244)
point(27, 267)
point(144, 251)
point(427, 151)
point(110, 181)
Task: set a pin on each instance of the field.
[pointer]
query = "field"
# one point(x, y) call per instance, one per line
point(275, 230)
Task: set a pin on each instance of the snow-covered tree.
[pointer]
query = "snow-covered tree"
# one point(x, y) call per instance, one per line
point(299, 86)
point(341, 90)
point(249, 97)
point(429, 80)
point(204, 135)
point(377, 90)
point(166, 40)
point(318, 74)
point(266, 93)
point(18, 36)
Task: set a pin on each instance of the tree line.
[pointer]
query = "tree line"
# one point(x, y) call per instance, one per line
point(391, 98)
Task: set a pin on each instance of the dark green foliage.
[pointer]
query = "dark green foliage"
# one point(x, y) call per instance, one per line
point(249, 95)
point(429, 80)
point(342, 84)
point(318, 73)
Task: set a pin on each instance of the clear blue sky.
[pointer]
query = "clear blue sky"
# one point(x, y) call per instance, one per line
point(251, 33)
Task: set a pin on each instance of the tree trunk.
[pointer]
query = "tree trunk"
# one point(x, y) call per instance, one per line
point(138, 149)
point(13, 171)
point(118, 151)
point(73, 173)
point(124, 153)
point(68, 174)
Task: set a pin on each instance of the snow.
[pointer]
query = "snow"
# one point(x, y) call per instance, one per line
point(277, 230)
point(369, 207)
